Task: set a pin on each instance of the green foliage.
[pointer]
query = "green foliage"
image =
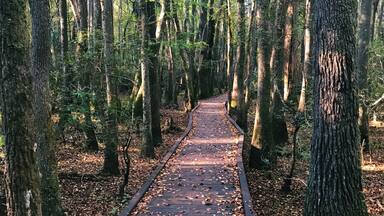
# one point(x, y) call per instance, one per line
point(2, 141)
point(376, 70)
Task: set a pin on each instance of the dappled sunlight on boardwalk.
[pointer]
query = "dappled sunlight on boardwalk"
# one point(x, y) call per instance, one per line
point(202, 177)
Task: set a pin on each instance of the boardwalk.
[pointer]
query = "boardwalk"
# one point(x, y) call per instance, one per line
point(201, 178)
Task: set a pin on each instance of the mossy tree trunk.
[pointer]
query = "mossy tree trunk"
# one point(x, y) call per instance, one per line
point(147, 146)
point(41, 66)
point(21, 171)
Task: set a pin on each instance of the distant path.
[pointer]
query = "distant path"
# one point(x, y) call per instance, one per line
point(202, 177)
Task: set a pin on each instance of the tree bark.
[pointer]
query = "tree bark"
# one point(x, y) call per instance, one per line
point(111, 161)
point(21, 172)
point(307, 55)
point(279, 126)
point(207, 31)
point(147, 147)
point(364, 26)
point(65, 70)
point(82, 66)
point(334, 183)
point(262, 146)
point(374, 6)
point(153, 69)
point(41, 66)
point(237, 100)
point(288, 45)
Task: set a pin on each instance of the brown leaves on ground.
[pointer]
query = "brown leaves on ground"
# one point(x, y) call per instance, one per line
point(265, 185)
point(84, 191)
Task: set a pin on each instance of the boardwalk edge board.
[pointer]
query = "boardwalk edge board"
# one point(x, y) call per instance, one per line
point(247, 200)
point(145, 187)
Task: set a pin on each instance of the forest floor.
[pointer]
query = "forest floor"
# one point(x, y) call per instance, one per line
point(265, 185)
point(83, 190)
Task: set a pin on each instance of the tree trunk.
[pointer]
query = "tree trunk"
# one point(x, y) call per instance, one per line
point(307, 55)
point(171, 96)
point(237, 99)
point(334, 183)
point(380, 27)
point(41, 66)
point(21, 172)
point(279, 126)
point(147, 147)
point(288, 46)
point(111, 161)
point(364, 33)
point(83, 68)
point(207, 31)
point(262, 142)
point(153, 70)
point(65, 70)
point(373, 17)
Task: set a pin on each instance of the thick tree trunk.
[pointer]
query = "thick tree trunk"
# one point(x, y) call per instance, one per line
point(41, 66)
point(111, 161)
point(362, 69)
point(147, 147)
point(153, 69)
point(279, 126)
point(334, 183)
point(21, 172)
point(262, 145)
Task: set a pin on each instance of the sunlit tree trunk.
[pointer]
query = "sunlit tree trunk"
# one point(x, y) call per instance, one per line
point(262, 142)
point(21, 172)
point(237, 100)
point(307, 55)
point(288, 43)
point(334, 183)
point(374, 6)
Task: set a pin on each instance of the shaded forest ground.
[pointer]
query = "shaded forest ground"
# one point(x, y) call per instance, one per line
point(265, 186)
point(84, 191)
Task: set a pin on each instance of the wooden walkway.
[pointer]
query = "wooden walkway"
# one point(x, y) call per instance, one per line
point(202, 176)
